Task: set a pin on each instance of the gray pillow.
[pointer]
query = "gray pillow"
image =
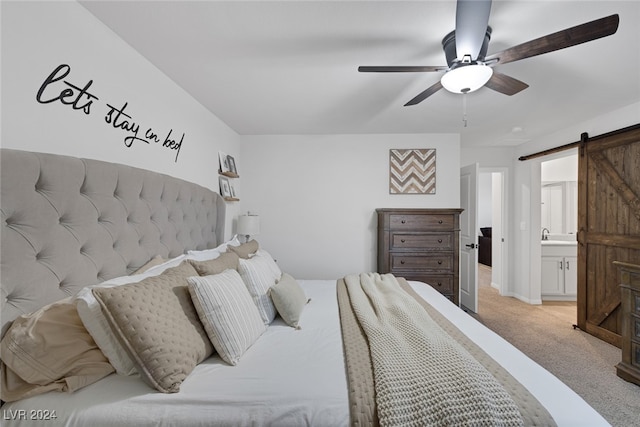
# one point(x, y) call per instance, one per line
point(289, 299)
point(158, 325)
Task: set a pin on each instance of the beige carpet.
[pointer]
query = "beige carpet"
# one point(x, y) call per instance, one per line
point(545, 333)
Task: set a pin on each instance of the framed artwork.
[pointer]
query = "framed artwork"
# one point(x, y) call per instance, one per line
point(225, 187)
point(231, 163)
point(412, 171)
point(232, 190)
point(224, 162)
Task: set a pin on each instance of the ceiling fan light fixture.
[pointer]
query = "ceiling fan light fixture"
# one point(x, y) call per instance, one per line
point(466, 78)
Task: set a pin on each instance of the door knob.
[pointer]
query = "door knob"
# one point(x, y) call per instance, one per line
point(472, 245)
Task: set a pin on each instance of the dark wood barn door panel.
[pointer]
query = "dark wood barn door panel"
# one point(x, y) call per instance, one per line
point(608, 227)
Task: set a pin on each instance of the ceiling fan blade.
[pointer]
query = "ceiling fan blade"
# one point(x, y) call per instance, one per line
point(583, 33)
point(472, 19)
point(425, 94)
point(505, 84)
point(401, 69)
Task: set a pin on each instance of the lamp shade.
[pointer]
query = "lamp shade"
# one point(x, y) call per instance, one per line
point(248, 225)
point(466, 78)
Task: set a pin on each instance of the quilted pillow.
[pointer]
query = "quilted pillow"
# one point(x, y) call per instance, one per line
point(156, 321)
point(48, 350)
point(227, 312)
point(225, 261)
point(97, 324)
point(258, 277)
point(289, 298)
point(245, 250)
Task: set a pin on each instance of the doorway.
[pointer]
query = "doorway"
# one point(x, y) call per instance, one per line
point(491, 230)
point(490, 209)
point(558, 228)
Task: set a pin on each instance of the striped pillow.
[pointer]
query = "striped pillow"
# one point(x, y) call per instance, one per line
point(259, 277)
point(271, 262)
point(227, 312)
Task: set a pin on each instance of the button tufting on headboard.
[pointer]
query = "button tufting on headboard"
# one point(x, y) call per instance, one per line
point(69, 222)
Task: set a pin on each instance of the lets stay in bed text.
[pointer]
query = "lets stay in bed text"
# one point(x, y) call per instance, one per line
point(56, 87)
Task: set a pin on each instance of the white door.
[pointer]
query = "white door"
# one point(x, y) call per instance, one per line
point(469, 237)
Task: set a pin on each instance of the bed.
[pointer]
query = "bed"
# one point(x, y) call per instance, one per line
point(73, 225)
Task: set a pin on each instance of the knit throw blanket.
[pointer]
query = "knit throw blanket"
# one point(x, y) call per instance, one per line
point(422, 377)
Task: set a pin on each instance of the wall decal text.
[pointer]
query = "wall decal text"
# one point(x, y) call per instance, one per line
point(56, 88)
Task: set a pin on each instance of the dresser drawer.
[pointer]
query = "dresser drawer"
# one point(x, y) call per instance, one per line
point(636, 303)
point(635, 327)
point(635, 354)
point(443, 284)
point(416, 262)
point(421, 222)
point(422, 241)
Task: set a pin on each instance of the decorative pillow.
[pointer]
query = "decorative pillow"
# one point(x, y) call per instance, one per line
point(156, 260)
point(158, 325)
point(245, 250)
point(97, 324)
point(207, 254)
point(225, 261)
point(272, 264)
point(47, 350)
point(227, 312)
point(289, 299)
point(258, 277)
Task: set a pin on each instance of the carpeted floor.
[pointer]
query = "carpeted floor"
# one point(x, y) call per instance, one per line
point(545, 333)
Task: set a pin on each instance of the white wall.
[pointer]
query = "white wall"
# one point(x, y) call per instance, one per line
point(37, 37)
point(525, 224)
point(317, 195)
point(561, 169)
point(523, 188)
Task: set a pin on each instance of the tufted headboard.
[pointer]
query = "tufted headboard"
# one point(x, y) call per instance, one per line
point(69, 222)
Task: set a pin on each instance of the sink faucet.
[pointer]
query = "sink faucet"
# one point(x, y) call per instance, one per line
point(545, 237)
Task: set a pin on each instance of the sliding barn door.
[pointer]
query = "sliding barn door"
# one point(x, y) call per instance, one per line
point(608, 227)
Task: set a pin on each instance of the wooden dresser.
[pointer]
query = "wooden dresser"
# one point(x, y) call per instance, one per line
point(629, 367)
point(421, 244)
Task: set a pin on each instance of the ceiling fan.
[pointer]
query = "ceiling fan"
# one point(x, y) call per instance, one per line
point(468, 68)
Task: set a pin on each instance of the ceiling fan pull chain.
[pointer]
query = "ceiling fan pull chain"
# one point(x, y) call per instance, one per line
point(464, 109)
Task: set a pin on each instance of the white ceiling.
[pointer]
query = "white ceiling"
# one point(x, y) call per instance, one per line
point(290, 67)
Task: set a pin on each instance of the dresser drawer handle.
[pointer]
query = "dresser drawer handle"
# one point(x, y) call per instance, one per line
point(440, 262)
point(401, 261)
point(403, 222)
point(402, 240)
point(440, 222)
point(439, 240)
point(439, 283)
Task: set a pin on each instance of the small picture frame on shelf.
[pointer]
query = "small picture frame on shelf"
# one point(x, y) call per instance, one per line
point(231, 162)
point(225, 187)
point(224, 162)
point(232, 190)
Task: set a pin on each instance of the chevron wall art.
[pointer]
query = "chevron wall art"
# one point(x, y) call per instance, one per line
point(412, 171)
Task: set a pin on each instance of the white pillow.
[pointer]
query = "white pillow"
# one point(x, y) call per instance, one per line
point(271, 262)
point(97, 324)
point(227, 312)
point(208, 254)
point(259, 276)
